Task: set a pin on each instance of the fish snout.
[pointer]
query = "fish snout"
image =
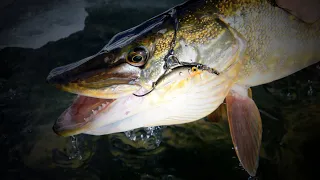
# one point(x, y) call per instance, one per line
point(100, 76)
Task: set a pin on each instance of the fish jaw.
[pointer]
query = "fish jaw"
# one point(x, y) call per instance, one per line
point(105, 75)
point(98, 81)
point(111, 83)
point(79, 116)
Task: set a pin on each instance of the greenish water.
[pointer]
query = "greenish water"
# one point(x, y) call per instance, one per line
point(201, 150)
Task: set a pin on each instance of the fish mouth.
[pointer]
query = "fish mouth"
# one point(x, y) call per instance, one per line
point(79, 117)
point(99, 76)
point(98, 81)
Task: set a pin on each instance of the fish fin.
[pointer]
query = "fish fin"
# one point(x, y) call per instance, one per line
point(246, 130)
point(220, 114)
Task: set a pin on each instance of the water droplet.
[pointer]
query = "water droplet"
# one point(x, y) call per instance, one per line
point(149, 135)
point(291, 96)
point(12, 93)
point(74, 152)
point(253, 178)
point(168, 177)
point(310, 90)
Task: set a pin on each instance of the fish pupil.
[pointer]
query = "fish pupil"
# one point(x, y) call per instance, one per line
point(137, 58)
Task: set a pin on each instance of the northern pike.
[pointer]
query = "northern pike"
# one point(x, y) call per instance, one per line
point(179, 66)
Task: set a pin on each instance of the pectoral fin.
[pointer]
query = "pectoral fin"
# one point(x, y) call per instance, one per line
point(246, 129)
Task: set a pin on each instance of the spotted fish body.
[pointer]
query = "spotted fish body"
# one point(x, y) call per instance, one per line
point(278, 44)
point(127, 85)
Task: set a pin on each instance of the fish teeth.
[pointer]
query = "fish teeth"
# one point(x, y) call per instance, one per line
point(94, 112)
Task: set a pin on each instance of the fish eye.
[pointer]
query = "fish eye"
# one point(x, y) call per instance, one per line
point(138, 56)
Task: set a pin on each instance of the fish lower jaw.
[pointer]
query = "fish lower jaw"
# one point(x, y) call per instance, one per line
point(79, 116)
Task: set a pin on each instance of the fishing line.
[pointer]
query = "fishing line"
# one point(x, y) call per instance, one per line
point(172, 62)
point(182, 64)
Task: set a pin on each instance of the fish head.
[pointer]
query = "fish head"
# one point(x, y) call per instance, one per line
point(120, 69)
point(130, 61)
point(116, 87)
point(108, 74)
